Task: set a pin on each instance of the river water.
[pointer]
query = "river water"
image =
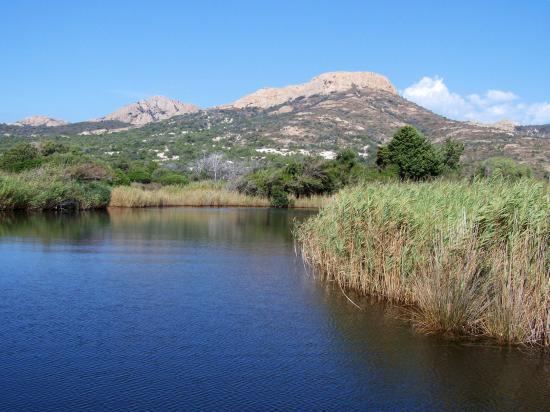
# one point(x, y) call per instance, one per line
point(210, 309)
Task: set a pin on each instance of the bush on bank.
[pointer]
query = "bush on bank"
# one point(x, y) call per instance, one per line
point(50, 188)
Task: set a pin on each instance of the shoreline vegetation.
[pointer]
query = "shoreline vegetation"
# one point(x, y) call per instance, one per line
point(465, 259)
point(200, 194)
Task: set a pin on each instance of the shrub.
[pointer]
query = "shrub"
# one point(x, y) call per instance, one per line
point(48, 148)
point(48, 188)
point(67, 159)
point(303, 178)
point(20, 157)
point(503, 168)
point(279, 198)
point(168, 177)
point(89, 172)
point(120, 178)
point(139, 174)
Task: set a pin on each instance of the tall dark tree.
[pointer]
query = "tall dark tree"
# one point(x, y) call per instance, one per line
point(415, 157)
point(383, 159)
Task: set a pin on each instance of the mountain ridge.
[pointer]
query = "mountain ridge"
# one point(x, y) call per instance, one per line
point(332, 111)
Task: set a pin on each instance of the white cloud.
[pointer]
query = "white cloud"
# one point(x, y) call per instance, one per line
point(492, 106)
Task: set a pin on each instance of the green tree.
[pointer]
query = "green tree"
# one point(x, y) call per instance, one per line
point(451, 151)
point(20, 157)
point(383, 159)
point(415, 157)
point(347, 158)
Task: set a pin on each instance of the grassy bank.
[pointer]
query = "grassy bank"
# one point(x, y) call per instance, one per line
point(50, 187)
point(207, 194)
point(467, 259)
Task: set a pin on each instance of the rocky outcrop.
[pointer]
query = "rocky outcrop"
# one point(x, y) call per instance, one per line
point(324, 84)
point(35, 121)
point(150, 110)
point(504, 125)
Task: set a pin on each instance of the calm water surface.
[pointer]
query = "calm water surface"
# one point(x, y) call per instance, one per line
point(209, 309)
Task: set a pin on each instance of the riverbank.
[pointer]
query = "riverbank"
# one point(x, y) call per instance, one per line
point(465, 259)
point(200, 194)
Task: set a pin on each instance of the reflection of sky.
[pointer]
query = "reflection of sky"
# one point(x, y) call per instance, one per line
point(208, 308)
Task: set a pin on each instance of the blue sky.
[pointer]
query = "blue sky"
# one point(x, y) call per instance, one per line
point(77, 60)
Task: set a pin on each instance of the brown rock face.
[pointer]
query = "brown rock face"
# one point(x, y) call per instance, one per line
point(40, 121)
point(324, 84)
point(150, 110)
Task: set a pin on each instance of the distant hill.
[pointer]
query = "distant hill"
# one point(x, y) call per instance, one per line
point(150, 110)
point(39, 120)
point(333, 111)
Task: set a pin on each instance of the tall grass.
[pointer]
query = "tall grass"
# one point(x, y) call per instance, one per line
point(206, 193)
point(311, 202)
point(190, 195)
point(467, 258)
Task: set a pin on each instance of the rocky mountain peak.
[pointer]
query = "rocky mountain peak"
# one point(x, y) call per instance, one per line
point(150, 110)
point(40, 120)
point(323, 84)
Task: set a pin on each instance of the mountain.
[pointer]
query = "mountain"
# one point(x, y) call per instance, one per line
point(150, 110)
point(360, 110)
point(331, 112)
point(39, 120)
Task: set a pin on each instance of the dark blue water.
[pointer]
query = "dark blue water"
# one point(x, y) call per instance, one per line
point(209, 309)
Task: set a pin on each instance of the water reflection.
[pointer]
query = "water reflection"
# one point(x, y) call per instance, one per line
point(51, 227)
point(431, 370)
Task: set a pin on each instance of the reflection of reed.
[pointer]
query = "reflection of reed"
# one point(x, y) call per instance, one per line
point(50, 227)
point(199, 224)
point(224, 225)
point(465, 375)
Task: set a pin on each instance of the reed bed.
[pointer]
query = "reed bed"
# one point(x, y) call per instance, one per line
point(192, 195)
point(312, 202)
point(464, 258)
point(198, 194)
